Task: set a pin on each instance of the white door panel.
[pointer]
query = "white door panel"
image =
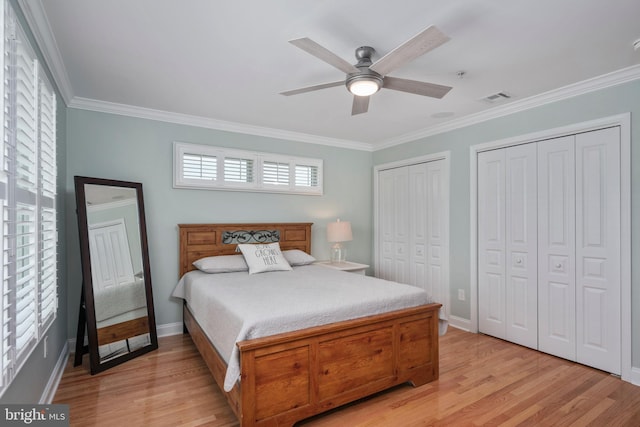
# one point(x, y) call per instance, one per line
point(386, 232)
point(556, 247)
point(521, 276)
point(418, 211)
point(111, 263)
point(598, 249)
point(436, 255)
point(491, 243)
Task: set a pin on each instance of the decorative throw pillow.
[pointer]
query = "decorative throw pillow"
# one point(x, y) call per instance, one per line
point(221, 264)
point(297, 257)
point(263, 258)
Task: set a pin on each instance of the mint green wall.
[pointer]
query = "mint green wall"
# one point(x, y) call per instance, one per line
point(607, 102)
point(130, 149)
point(30, 383)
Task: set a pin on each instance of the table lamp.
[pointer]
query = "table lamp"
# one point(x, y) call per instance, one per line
point(338, 232)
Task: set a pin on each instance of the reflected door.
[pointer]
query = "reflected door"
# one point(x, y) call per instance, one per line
point(110, 255)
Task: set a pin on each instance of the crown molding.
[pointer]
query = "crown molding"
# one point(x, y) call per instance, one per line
point(34, 13)
point(614, 78)
point(204, 122)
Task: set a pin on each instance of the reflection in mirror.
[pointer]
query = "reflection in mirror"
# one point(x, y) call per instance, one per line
point(118, 304)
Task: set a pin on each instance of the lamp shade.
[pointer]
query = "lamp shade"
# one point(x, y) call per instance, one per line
point(339, 231)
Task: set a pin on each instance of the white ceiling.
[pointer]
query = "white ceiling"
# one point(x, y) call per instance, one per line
point(223, 63)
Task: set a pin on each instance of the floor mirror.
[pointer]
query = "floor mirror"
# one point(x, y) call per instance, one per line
point(116, 307)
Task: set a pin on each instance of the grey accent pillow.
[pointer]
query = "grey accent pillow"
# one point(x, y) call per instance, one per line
point(221, 264)
point(297, 257)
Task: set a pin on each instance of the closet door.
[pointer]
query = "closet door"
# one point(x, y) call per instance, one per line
point(521, 261)
point(394, 224)
point(556, 247)
point(437, 255)
point(598, 249)
point(417, 207)
point(507, 235)
point(491, 243)
point(426, 204)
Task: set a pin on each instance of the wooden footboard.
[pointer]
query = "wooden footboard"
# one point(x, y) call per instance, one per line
point(291, 376)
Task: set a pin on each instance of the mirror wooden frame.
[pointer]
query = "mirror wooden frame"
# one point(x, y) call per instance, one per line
point(87, 315)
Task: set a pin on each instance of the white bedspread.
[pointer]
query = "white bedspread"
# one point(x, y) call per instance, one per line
point(233, 307)
point(117, 300)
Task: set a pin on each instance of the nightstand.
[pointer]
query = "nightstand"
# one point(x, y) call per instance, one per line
point(351, 267)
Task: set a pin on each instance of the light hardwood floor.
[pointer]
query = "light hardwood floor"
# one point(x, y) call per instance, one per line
point(483, 381)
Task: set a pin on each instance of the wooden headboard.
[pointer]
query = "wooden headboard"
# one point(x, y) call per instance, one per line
point(203, 240)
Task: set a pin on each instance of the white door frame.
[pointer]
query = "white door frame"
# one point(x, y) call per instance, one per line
point(444, 156)
point(622, 120)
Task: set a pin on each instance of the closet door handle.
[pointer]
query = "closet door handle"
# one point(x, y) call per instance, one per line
point(558, 265)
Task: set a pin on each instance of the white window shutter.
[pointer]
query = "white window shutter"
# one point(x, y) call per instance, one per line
point(275, 173)
point(48, 254)
point(28, 201)
point(221, 168)
point(238, 170)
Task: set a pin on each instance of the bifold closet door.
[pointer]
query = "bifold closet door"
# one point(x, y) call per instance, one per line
point(393, 201)
point(598, 249)
point(411, 205)
point(426, 242)
point(579, 248)
point(491, 243)
point(556, 247)
point(507, 240)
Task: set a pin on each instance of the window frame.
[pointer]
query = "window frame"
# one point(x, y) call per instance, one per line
point(257, 183)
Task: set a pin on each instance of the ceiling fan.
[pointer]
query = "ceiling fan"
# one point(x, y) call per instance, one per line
point(366, 77)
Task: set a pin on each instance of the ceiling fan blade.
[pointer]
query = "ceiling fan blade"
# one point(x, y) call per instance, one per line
point(420, 44)
point(419, 88)
point(360, 105)
point(312, 88)
point(324, 54)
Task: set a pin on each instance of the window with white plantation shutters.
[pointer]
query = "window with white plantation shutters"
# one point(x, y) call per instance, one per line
point(219, 168)
point(48, 254)
point(200, 167)
point(238, 170)
point(306, 176)
point(275, 173)
point(28, 193)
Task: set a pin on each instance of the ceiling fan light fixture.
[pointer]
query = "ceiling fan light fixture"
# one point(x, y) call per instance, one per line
point(364, 85)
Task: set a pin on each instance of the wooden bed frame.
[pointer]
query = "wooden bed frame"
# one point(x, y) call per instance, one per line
point(291, 376)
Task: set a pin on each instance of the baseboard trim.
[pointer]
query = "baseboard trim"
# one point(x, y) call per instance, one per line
point(635, 376)
point(55, 377)
point(169, 329)
point(460, 323)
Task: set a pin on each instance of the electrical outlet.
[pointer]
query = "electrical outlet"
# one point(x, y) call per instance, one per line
point(45, 345)
point(461, 294)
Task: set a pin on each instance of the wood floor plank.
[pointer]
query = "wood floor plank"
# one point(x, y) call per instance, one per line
point(483, 382)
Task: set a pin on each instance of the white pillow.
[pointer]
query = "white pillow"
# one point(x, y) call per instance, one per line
point(263, 258)
point(221, 264)
point(297, 257)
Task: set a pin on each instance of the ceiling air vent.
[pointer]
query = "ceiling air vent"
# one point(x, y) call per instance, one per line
point(496, 97)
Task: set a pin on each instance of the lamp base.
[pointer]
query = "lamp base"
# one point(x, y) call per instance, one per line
point(338, 254)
